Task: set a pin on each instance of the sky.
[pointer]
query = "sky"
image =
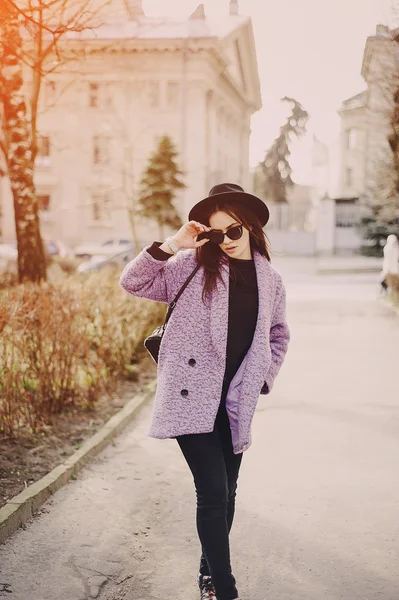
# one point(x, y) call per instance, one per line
point(310, 50)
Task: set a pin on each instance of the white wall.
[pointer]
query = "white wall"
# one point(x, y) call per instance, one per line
point(347, 240)
point(292, 243)
point(335, 230)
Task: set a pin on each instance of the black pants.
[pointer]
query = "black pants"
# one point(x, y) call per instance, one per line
point(215, 470)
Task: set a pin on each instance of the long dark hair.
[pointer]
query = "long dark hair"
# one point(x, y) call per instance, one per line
point(212, 257)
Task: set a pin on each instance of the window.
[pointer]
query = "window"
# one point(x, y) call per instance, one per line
point(43, 152)
point(96, 207)
point(348, 177)
point(100, 95)
point(351, 139)
point(44, 201)
point(153, 94)
point(99, 206)
point(94, 95)
point(101, 153)
point(172, 94)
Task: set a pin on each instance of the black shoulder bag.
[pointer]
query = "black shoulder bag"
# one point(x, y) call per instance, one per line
point(153, 341)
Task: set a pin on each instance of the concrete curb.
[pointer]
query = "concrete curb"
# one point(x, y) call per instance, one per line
point(21, 508)
point(348, 271)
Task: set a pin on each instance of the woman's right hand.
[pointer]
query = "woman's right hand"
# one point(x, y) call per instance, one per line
point(186, 236)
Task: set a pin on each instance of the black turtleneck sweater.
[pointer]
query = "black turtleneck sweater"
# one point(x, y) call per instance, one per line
point(243, 312)
point(243, 308)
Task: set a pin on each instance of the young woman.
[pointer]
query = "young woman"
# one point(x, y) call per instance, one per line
point(223, 346)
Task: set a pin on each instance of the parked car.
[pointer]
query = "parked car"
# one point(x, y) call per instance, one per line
point(57, 248)
point(98, 262)
point(107, 248)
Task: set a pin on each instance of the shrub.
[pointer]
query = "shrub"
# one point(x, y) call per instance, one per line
point(392, 281)
point(63, 344)
point(8, 279)
point(376, 233)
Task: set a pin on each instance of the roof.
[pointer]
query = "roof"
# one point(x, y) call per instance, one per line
point(357, 101)
point(230, 37)
point(151, 28)
point(346, 200)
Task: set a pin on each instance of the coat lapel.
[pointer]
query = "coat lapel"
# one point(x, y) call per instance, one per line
point(220, 315)
point(265, 294)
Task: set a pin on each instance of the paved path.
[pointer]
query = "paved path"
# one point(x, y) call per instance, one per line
point(317, 515)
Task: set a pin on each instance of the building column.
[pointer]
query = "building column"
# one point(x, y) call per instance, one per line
point(195, 164)
point(325, 227)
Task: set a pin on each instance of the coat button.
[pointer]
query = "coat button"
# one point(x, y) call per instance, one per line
point(184, 393)
point(192, 362)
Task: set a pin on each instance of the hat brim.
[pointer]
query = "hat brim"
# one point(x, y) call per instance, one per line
point(255, 204)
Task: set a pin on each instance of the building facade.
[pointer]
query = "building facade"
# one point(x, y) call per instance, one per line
point(353, 146)
point(125, 85)
point(365, 119)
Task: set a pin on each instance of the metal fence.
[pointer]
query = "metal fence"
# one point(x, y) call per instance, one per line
point(348, 215)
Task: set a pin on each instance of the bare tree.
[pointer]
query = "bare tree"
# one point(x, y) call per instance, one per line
point(382, 181)
point(118, 119)
point(126, 162)
point(17, 146)
point(31, 32)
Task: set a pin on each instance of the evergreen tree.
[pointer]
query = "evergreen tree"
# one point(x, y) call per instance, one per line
point(160, 181)
point(273, 174)
point(376, 231)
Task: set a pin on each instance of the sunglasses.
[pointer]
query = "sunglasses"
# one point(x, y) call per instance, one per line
point(217, 237)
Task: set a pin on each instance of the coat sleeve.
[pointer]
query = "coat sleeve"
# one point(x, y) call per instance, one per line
point(148, 277)
point(279, 337)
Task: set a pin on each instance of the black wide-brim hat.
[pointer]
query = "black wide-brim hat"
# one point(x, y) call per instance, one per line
point(230, 192)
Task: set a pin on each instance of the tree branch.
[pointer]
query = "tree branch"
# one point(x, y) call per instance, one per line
point(26, 16)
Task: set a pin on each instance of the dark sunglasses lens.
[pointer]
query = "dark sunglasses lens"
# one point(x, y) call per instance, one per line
point(235, 233)
point(216, 238)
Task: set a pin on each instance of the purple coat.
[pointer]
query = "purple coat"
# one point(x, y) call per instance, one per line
point(192, 355)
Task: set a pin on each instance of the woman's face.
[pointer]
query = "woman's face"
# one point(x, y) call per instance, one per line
point(241, 249)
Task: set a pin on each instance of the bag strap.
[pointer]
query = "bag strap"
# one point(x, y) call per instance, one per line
point(179, 293)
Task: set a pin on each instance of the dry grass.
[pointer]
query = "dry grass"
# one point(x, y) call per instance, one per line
point(393, 282)
point(63, 344)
